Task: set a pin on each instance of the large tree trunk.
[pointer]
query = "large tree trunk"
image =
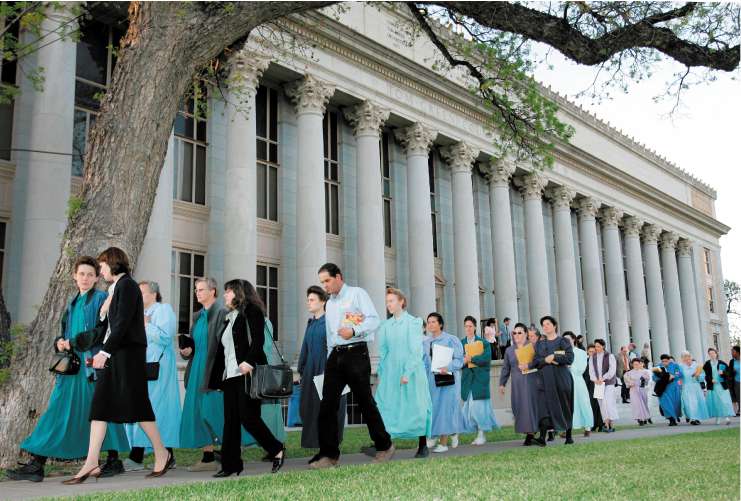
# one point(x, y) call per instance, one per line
point(165, 44)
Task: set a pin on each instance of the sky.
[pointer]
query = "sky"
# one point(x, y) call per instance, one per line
point(702, 137)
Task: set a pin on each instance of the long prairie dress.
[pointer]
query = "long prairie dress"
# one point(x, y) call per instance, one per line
point(637, 381)
point(719, 399)
point(583, 417)
point(556, 389)
point(447, 418)
point(522, 393)
point(670, 394)
point(406, 409)
point(693, 400)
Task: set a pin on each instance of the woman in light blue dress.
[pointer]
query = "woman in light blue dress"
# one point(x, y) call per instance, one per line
point(694, 406)
point(718, 398)
point(583, 416)
point(164, 392)
point(403, 395)
point(447, 418)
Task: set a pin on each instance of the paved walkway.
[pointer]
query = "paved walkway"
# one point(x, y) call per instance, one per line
point(136, 480)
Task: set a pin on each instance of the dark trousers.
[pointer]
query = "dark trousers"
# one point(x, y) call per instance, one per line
point(240, 409)
point(624, 393)
point(348, 365)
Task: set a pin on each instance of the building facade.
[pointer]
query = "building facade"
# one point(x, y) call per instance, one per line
point(361, 154)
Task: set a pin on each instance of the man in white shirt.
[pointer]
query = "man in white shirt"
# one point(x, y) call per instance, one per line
point(351, 322)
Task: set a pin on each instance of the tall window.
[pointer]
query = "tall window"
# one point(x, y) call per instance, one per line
point(709, 298)
point(708, 261)
point(386, 175)
point(186, 268)
point(2, 250)
point(433, 201)
point(8, 70)
point(267, 287)
point(625, 267)
point(190, 153)
point(266, 110)
point(96, 58)
point(331, 173)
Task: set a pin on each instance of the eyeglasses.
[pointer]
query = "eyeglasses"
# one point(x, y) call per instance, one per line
point(518, 332)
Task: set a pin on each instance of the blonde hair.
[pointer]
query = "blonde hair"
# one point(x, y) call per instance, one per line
point(398, 294)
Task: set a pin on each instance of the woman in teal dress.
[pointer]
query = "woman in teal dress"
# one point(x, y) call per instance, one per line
point(63, 431)
point(583, 416)
point(693, 401)
point(403, 395)
point(478, 416)
point(718, 398)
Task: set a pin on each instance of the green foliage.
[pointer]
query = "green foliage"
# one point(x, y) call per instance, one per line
point(74, 205)
point(18, 337)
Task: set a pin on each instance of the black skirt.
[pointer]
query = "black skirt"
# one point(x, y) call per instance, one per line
point(121, 391)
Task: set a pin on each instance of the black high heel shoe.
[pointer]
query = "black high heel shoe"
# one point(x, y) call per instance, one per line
point(82, 478)
point(224, 474)
point(278, 462)
point(169, 464)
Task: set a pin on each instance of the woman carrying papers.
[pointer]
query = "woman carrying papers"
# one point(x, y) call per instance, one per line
point(443, 360)
point(478, 415)
point(523, 383)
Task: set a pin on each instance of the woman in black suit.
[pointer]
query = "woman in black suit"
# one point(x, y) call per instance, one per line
point(238, 351)
point(121, 394)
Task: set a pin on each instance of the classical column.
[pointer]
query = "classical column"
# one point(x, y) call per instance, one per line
point(692, 328)
point(505, 284)
point(636, 285)
point(367, 120)
point(698, 253)
point(310, 96)
point(591, 269)
point(416, 140)
point(655, 292)
point(460, 157)
point(568, 292)
point(240, 239)
point(42, 137)
point(155, 258)
point(615, 277)
point(531, 186)
point(670, 275)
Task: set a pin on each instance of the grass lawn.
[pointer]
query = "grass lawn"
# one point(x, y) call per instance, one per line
point(688, 466)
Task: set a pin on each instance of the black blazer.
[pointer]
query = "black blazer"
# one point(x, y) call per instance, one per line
point(724, 378)
point(248, 334)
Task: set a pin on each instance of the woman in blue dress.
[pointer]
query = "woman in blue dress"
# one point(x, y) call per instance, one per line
point(693, 401)
point(583, 416)
point(447, 418)
point(478, 416)
point(164, 392)
point(718, 398)
point(63, 431)
point(402, 394)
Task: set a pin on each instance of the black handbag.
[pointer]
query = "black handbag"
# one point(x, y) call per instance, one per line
point(270, 382)
point(444, 380)
point(153, 369)
point(65, 363)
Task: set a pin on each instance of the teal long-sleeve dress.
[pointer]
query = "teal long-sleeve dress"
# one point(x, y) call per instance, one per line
point(406, 408)
point(63, 430)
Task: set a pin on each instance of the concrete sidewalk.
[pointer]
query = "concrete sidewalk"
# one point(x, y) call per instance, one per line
point(136, 480)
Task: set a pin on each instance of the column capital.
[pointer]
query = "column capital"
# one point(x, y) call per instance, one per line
point(588, 207)
point(610, 217)
point(684, 247)
point(669, 240)
point(459, 156)
point(416, 139)
point(309, 94)
point(651, 233)
point(247, 66)
point(499, 171)
point(561, 197)
point(532, 185)
point(632, 226)
point(366, 118)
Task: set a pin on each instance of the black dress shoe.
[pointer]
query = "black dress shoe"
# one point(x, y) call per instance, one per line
point(111, 468)
point(551, 436)
point(278, 462)
point(369, 450)
point(539, 442)
point(222, 473)
point(422, 452)
point(568, 441)
point(31, 471)
point(528, 441)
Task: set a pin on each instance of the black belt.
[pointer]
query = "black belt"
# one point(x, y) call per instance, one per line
point(351, 346)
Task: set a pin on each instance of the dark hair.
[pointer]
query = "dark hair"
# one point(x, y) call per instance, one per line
point(331, 268)
point(117, 260)
point(318, 292)
point(550, 319)
point(590, 345)
point(88, 261)
point(635, 360)
point(736, 348)
point(520, 324)
point(491, 321)
point(571, 335)
point(600, 342)
point(469, 318)
point(712, 349)
point(506, 319)
point(437, 317)
point(244, 295)
point(665, 356)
